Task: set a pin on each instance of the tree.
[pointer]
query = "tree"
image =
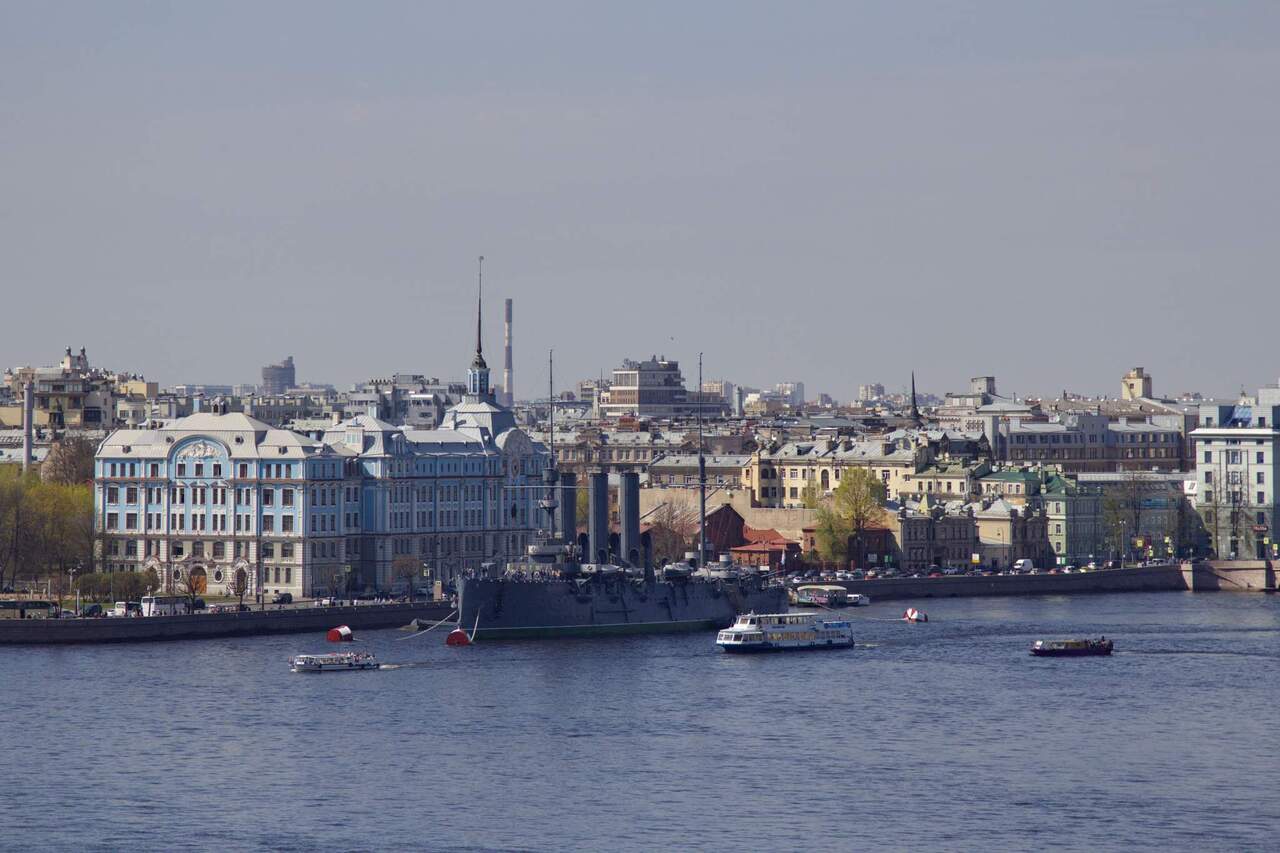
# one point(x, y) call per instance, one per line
point(238, 585)
point(70, 462)
point(670, 535)
point(582, 503)
point(851, 508)
point(407, 568)
point(1122, 512)
point(191, 585)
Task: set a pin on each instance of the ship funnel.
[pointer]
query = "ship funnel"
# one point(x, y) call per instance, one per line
point(629, 515)
point(569, 507)
point(598, 525)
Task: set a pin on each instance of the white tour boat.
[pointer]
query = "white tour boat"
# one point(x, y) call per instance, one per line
point(769, 632)
point(333, 662)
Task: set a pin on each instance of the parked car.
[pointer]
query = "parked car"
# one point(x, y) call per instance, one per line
point(92, 610)
point(327, 602)
point(283, 598)
point(953, 570)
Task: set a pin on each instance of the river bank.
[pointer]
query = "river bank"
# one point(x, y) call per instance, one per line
point(1225, 576)
point(210, 625)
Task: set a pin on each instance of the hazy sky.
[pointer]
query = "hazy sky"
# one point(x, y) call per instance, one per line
point(1050, 192)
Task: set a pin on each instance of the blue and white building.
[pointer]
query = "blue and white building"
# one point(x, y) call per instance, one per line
point(219, 497)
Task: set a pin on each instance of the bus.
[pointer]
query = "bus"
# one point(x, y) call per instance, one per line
point(10, 609)
point(165, 605)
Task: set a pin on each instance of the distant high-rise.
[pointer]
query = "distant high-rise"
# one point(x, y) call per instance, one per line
point(278, 378)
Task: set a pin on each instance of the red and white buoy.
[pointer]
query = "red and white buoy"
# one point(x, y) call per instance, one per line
point(341, 634)
point(457, 637)
point(913, 615)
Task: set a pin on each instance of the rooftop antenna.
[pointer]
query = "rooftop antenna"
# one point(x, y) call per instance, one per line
point(702, 478)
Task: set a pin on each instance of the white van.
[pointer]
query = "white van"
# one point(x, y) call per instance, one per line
point(1023, 566)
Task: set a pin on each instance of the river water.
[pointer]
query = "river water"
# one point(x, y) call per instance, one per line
point(945, 735)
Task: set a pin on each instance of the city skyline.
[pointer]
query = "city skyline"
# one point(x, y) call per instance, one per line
point(840, 194)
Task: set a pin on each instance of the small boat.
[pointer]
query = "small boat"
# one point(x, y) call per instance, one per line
point(821, 595)
point(333, 662)
point(857, 599)
point(1071, 648)
point(775, 632)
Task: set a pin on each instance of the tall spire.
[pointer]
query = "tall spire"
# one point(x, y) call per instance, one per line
point(478, 374)
point(915, 410)
point(479, 305)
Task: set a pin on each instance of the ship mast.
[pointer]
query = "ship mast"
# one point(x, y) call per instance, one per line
point(702, 477)
point(551, 475)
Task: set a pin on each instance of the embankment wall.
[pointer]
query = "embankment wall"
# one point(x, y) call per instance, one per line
point(285, 621)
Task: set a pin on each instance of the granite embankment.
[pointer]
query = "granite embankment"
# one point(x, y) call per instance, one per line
point(1243, 576)
point(285, 621)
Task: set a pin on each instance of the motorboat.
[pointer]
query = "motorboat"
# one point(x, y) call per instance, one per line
point(1071, 648)
point(857, 599)
point(821, 595)
point(775, 632)
point(333, 662)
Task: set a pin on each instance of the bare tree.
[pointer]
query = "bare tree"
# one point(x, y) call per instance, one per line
point(670, 534)
point(407, 568)
point(191, 585)
point(239, 584)
point(70, 462)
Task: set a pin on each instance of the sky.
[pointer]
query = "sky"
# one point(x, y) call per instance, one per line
point(835, 193)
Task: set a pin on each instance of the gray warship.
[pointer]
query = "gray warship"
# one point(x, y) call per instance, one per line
point(555, 594)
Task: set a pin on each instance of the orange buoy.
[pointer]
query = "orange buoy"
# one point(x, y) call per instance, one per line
point(341, 634)
point(457, 637)
point(913, 615)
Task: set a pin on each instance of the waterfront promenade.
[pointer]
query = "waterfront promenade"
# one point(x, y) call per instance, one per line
point(1225, 576)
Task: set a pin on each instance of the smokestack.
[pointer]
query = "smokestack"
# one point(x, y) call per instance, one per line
point(28, 424)
point(629, 513)
point(508, 391)
point(569, 507)
point(598, 523)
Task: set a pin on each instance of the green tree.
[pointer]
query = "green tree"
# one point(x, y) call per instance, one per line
point(851, 508)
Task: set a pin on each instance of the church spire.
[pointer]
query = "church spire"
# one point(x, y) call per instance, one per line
point(915, 410)
point(478, 374)
point(479, 305)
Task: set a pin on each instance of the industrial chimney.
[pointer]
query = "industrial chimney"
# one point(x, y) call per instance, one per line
point(508, 391)
point(28, 424)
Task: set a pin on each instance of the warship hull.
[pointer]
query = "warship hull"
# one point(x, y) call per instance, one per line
point(515, 609)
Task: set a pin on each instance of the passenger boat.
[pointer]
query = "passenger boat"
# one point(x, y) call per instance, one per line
point(770, 632)
point(333, 662)
point(1071, 648)
point(821, 595)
